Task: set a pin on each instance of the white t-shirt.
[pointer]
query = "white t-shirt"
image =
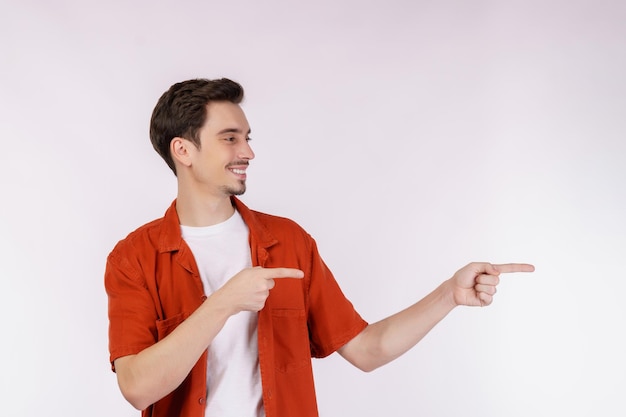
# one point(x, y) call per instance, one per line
point(233, 376)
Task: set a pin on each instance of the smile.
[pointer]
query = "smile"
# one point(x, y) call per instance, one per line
point(238, 171)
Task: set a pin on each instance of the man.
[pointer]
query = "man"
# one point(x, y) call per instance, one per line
point(216, 309)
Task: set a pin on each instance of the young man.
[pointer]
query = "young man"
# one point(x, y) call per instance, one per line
point(216, 309)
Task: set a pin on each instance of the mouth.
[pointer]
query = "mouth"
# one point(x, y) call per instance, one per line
point(238, 168)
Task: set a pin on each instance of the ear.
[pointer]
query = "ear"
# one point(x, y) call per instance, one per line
point(180, 151)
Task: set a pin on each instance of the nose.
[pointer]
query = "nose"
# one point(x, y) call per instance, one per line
point(246, 152)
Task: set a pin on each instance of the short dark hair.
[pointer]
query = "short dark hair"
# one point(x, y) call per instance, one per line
point(182, 111)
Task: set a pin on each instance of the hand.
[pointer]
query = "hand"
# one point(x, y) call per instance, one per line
point(248, 290)
point(475, 284)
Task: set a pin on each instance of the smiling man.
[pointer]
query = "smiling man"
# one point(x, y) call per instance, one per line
point(216, 309)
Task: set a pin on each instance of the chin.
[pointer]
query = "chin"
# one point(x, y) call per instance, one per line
point(235, 190)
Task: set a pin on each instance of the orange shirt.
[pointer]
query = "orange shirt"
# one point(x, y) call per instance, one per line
point(153, 284)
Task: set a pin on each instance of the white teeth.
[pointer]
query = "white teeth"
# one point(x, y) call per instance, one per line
point(239, 171)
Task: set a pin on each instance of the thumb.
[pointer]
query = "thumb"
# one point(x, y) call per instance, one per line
point(492, 269)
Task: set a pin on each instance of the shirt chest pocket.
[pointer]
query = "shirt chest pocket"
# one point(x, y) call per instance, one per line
point(167, 326)
point(291, 340)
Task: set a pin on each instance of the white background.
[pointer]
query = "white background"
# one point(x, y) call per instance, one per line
point(408, 137)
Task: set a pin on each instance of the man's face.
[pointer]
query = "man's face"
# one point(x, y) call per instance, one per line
point(219, 166)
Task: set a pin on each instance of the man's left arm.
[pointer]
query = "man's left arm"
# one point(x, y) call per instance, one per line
point(383, 341)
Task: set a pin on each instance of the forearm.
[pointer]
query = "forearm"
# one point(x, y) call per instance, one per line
point(156, 371)
point(384, 341)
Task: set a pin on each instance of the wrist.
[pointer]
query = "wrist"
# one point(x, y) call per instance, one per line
point(447, 294)
point(218, 308)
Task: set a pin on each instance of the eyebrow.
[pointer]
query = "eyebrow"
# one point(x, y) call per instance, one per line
point(232, 130)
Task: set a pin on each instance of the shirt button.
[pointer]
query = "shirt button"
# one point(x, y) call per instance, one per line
point(201, 400)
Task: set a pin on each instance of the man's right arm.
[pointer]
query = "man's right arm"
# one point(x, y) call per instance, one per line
point(146, 377)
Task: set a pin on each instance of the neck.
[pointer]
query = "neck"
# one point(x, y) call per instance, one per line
point(198, 211)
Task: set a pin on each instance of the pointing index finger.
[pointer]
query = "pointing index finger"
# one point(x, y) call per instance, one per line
point(274, 273)
point(506, 268)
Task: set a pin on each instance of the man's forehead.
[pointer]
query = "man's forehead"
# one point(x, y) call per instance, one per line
point(224, 116)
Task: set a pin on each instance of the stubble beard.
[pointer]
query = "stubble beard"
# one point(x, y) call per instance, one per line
point(229, 190)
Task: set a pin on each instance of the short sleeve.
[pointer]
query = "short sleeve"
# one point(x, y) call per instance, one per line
point(131, 309)
point(332, 319)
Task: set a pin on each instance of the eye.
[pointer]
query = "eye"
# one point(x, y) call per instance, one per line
point(230, 139)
